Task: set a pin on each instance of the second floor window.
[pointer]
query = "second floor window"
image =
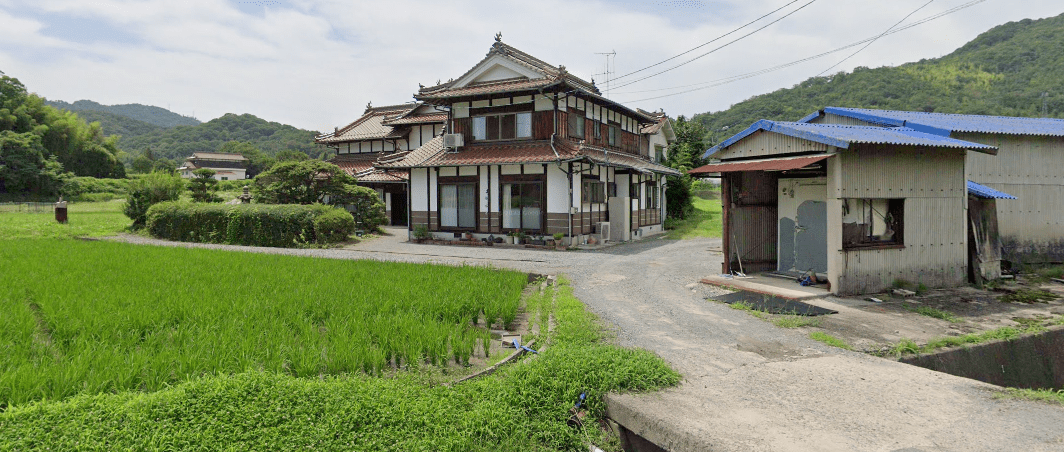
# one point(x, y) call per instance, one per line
point(576, 124)
point(507, 126)
point(614, 131)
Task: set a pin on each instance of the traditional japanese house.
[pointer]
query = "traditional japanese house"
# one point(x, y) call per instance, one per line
point(1028, 166)
point(226, 166)
point(381, 133)
point(862, 206)
point(530, 147)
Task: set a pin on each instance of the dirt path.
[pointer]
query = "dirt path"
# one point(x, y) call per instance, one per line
point(747, 384)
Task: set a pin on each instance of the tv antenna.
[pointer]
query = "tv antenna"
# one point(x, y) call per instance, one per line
point(611, 59)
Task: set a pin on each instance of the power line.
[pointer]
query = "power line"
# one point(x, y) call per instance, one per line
point(718, 48)
point(735, 78)
point(708, 43)
point(877, 37)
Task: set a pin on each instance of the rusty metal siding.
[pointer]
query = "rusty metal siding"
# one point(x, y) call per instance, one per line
point(754, 234)
point(763, 143)
point(933, 185)
point(1028, 168)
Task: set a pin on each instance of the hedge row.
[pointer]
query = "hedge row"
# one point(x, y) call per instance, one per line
point(285, 225)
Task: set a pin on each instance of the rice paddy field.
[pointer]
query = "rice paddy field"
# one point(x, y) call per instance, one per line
point(112, 346)
point(101, 317)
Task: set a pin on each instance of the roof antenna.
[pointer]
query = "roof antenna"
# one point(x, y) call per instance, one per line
point(611, 60)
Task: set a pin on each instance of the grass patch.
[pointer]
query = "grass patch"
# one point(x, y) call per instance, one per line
point(749, 308)
point(704, 221)
point(1029, 296)
point(909, 347)
point(935, 313)
point(795, 321)
point(86, 219)
point(1043, 395)
point(829, 339)
point(522, 407)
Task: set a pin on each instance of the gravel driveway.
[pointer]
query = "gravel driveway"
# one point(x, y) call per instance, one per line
point(747, 384)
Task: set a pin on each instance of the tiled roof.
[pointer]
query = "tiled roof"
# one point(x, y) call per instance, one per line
point(604, 157)
point(439, 118)
point(218, 156)
point(842, 136)
point(659, 117)
point(944, 124)
point(433, 154)
point(500, 86)
point(362, 167)
point(369, 126)
point(411, 159)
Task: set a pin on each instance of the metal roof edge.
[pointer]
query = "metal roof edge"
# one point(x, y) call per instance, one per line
point(811, 116)
point(982, 191)
point(878, 120)
point(773, 126)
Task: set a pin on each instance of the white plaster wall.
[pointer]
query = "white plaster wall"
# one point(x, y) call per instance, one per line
point(418, 190)
point(544, 103)
point(493, 181)
point(557, 190)
point(487, 191)
point(460, 110)
point(466, 171)
point(448, 171)
point(511, 169)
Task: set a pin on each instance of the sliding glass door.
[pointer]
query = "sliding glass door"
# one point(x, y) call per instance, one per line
point(458, 206)
point(522, 205)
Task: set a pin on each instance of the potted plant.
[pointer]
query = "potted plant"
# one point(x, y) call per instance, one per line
point(520, 238)
point(558, 241)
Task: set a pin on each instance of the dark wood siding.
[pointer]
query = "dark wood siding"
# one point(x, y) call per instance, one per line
point(542, 125)
point(464, 126)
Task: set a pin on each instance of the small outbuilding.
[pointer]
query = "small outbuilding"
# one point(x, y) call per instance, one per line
point(863, 207)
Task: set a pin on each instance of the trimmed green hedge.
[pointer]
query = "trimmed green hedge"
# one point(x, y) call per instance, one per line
point(284, 225)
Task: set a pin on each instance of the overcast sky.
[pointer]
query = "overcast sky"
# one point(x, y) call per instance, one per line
point(315, 64)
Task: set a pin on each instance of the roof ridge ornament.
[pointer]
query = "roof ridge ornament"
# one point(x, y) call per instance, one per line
point(498, 37)
point(369, 105)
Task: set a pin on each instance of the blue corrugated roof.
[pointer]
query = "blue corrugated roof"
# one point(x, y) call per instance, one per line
point(842, 136)
point(943, 123)
point(982, 191)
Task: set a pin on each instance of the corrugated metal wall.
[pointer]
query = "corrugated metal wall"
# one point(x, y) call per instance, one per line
point(752, 220)
point(767, 144)
point(1029, 168)
point(932, 183)
point(831, 118)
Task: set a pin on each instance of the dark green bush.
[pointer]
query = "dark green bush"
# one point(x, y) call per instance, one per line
point(149, 190)
point(284, 225)
point(75, 187)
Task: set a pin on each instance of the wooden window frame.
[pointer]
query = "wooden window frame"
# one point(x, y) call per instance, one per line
point(529, 179)
point(457, 180)
point(576, 118)
point(498, 118)
point(593, 191)
point(894, 218)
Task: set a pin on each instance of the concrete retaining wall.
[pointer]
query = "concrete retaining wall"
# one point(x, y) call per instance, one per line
point(1035, 362)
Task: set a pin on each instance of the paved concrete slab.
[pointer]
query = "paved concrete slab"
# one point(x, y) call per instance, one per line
point(767, 285)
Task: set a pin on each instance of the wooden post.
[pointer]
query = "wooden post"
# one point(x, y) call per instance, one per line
point(725, 200)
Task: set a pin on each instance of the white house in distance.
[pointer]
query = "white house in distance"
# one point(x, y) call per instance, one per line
point(226, 166)
point(529, 147)
point(380, 133)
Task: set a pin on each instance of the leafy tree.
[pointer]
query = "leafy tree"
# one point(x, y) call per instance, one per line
point(300, 182)
point(364, 204)
point(24, 167)
point(142, 164)
point(204, 186)
point(290, 155)
point(148, 190)
point(315, 181)
point(684, 154)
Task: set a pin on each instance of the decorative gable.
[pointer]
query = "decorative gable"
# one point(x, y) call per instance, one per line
point(497, 67)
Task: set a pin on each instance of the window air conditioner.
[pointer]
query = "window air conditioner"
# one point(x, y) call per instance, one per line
point(453, 140)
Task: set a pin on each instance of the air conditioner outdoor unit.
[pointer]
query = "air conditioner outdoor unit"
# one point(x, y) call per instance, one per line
point(453, 140)
point(604, 230)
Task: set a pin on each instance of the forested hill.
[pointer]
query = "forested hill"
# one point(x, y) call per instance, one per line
point(144, 113)
point(180, 142)
point(1004, 71)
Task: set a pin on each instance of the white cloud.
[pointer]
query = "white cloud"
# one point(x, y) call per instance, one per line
point(315, 64)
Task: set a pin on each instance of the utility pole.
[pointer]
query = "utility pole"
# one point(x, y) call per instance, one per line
point(608, 71)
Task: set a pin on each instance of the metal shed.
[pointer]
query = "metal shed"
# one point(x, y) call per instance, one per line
point(861, 206)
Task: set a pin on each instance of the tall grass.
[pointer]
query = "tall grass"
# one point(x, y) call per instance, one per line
point(95, 317)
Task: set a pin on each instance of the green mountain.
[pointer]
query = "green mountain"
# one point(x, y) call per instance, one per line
point(146, 113)
point(179, 142)
point(113, 124)
point(1004, 71)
